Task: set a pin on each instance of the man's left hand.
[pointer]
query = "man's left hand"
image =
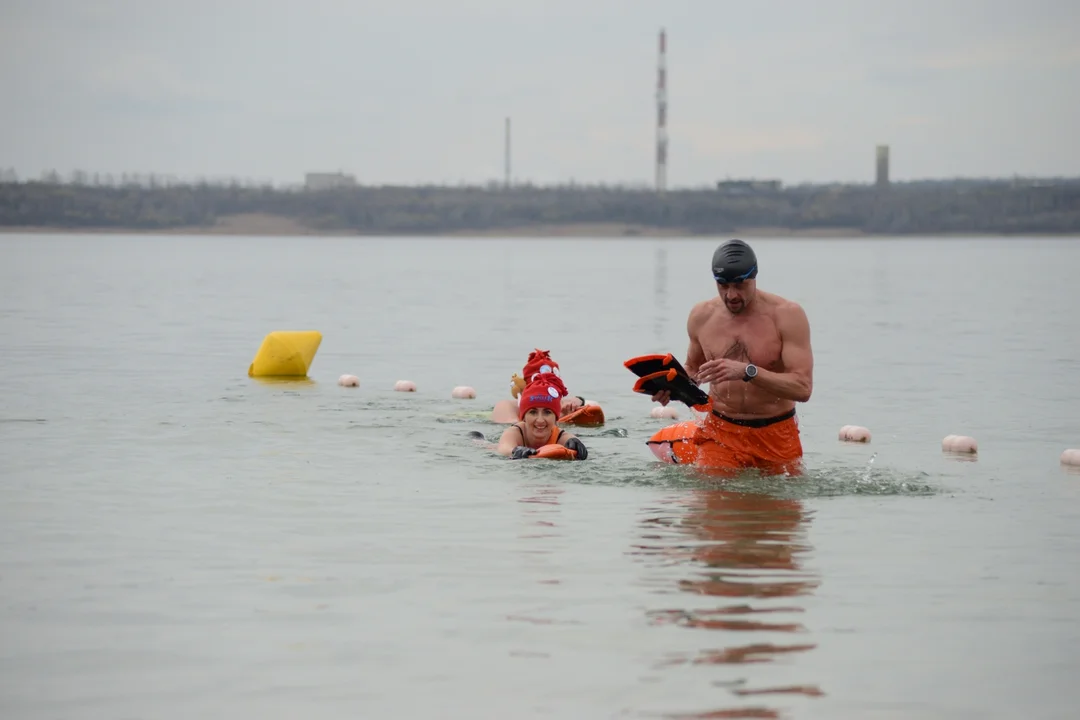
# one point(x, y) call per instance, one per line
point(721, 370)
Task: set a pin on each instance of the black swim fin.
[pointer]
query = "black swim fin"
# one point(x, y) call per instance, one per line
point(678, 384)
point(650, 364)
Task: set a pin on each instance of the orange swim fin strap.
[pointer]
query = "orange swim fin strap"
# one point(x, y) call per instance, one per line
point(649, 364)
point(554, 451)
point(678, 384)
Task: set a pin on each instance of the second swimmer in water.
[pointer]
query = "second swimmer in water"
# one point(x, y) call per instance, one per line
point(539, 406)
point(540, 361)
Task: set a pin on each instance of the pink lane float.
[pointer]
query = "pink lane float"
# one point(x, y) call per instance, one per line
point(463, 392)
point(664, 413)
point(1071, 458)
point(854, 433)
point(404, 386)
point(959, 444)
point(348, 381)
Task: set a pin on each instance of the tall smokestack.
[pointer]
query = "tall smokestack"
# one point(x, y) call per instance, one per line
point(661, 115)
point(507, 181)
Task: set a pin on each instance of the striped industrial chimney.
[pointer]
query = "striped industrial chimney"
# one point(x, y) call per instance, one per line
point(661, 116)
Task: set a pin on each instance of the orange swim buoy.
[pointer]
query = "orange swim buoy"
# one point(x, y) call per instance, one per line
point(584, 416)
point(555, 451)
point(675, 443)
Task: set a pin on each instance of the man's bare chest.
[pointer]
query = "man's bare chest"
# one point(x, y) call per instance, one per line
point(757, 341)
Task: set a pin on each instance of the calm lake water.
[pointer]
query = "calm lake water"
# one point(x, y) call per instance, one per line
point(178, 540)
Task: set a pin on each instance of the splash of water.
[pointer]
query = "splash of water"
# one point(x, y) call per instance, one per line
point(869, 468)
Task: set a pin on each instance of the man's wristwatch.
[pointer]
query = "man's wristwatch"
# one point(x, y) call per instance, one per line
point(751, 372)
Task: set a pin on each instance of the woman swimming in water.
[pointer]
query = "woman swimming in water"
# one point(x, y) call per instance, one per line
point(539, 361)
point(538, 413)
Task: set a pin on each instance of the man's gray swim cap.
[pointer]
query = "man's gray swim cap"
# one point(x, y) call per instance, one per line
point(734, 261)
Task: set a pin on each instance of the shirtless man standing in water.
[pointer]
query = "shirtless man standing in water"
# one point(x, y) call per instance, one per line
point(753, 348)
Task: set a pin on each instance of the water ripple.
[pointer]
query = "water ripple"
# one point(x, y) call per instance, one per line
point(742, 555)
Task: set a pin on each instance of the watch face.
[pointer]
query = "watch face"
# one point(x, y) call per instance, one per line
point(751, 370)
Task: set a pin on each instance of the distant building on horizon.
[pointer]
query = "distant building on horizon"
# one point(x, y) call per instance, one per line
point(328, 181)
point(882, 178)
point(736, 187)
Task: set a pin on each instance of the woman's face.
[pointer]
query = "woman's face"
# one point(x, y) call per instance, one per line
point(539, 421)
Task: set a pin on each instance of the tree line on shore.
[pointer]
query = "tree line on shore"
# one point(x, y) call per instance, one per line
point(909, 208)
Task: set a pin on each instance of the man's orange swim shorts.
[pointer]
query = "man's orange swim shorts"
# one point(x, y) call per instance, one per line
point(719, 442)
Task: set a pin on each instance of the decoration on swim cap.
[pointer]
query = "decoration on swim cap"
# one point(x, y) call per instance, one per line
point(546, 391)
point(734, 261)
point(539, 362)
point(517, 384)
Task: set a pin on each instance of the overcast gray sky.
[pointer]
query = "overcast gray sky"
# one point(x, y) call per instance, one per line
point(404, 91)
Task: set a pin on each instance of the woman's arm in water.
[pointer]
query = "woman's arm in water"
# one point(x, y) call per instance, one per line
point(509, 440)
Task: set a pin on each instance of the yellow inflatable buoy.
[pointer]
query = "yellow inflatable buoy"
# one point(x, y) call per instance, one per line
point(286, 353)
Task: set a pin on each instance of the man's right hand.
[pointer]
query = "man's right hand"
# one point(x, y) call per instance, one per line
point(663, 397)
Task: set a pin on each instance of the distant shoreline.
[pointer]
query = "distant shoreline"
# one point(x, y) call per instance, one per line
point(261, 225)
point(1001, 209)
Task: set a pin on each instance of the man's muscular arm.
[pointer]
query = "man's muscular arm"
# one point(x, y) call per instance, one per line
point(695, 355)
point(797, 381)
point(509, 440)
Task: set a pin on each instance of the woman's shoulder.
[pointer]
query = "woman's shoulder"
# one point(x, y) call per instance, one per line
point(516, 427)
